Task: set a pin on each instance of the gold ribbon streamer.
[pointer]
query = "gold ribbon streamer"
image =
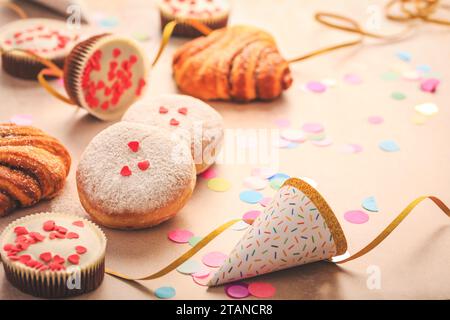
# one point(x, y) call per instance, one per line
point(176, 263)
point(420, 9)
point(14, 7)
point(394, 224)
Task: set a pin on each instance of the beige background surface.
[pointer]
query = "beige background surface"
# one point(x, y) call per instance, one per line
point(414, 261)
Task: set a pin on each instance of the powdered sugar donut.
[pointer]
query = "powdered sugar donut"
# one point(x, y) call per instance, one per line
point(186, 117)
point(105, 74)
point(134, 176)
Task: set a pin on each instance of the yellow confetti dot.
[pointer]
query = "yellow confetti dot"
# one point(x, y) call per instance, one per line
point(219, 184)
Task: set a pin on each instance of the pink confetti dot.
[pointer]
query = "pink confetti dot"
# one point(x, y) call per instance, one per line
point(22, 119)
point(315, 86)
point(203, 273)
point(265, 201)
point(352, 78)
point(430, 85)
point(261, 289)
point(312, 127)
point(323, 143)
point(375, 120)
point(201, 281)
point(282, 123)
point(209, 174)
point(214, 259)
point(237, 291)
point(356, 217)
point(352, 148)
point(180, 236)
point(251, 216)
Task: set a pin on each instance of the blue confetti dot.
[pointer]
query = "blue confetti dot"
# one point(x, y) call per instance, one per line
point(389, 146)
point(109, 22)
point(370, 204)
point(250, 196)
point(165, 292)
point(403, 55)
point(423, 68)
point(279, 176)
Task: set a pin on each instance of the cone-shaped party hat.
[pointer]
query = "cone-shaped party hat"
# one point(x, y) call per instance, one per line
point(297, 228)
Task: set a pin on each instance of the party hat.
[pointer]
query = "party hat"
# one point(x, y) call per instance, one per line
point(297, 228)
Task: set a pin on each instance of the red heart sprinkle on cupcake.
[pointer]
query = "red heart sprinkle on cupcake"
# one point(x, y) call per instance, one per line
point(125, 172)
point(144, 165)
point(133, 145)
point(78, 223)
point(183, 111)
point(174, 122)
point(72, 235)
point(49, 225)
point(163, 110)
point(80, 249)
point(74, 259)
point(45, 256)
point(20, 231)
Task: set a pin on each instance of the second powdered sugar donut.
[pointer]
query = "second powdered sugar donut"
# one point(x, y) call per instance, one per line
point(134, 176)
point(186, 118)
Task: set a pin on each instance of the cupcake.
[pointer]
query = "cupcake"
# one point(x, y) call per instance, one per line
point(105, 74)
point(50, 39)
point(212, 13)
point(53, 255)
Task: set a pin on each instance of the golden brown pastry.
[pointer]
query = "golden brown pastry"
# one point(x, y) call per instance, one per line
point(238, 63)
point(33, 166)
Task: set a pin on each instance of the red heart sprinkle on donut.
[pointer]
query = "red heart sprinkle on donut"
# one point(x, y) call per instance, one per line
point(116, 52)
point(125, 172)
point(72, 235)
point(37, 236)
point(61, 229)
point(134, 145)
point(78, 223)
point(144, 165)
point(74, 259)
point(49, 225)
point(174, 122)
point(80, 249)
point(20, 231)
point(163, 110)
point(183, 111)
point(45, 256)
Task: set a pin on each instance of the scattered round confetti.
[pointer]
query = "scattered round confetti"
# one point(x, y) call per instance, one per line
point(329, 82)
point(323, 143)
point(310, 181)
point(370, 204)
point(427, 109)
point(203, 273)
point(351, 78)
point(214, 259)
point(165, 292)
point(398, 95)
point(264, 172)
point(250, 196)
point(250, 216)
point(375, 119)
point(277, 183)
point(108, 22)
point(141, 36)
point(412, 75)
point(261, 289)
point(403, 55)
point(237, 291)
point(194, 240)
point(239, 226)
point(210, 173)
point(352, 148)
point(293, 135)
point(292, 145)
point(316, 136)
point(356, 217)
point(315, 86)
point(279, 175)
point(312, 127)
point(219, 184)
point(190, 267)
point(202, 281)
point(389, 146)
point(180, 236)
point(265, 201)
point(22, 119)
point(423, 68)
point(282, 123)
point(430, 85)
point(390, 76)
point(255, 183)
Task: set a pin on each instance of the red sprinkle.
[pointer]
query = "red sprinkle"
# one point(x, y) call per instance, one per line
point(144, 165)
point(80, 249)
point(49, 225)
point(24, 258)
point(116, 52)
point(37, 236)
point(20, 231)
point(125, 171)
point(8, 247)
point(174, 122)
point(134, 145)
point(74, 259)
point(78, 223)
point(58, 259)
point(163, 110)
point(72, 235)
point(31, 263)
point(61, 229)
point(183, 111)
point(45, 256)
point(133, 59)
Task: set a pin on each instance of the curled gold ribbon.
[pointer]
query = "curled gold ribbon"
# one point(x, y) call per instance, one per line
point(411, 10)
point(394, 224)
